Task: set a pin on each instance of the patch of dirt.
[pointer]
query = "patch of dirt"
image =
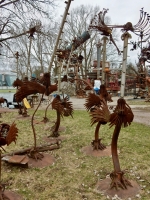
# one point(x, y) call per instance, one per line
point(4, 110)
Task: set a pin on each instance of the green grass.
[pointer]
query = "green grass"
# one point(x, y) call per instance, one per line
point(7, 90)
point(74, 175)
point(138, 102)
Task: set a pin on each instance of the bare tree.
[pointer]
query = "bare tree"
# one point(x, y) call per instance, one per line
point(17, 21)
point(14, 13)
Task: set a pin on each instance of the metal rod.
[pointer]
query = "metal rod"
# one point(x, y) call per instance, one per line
point(98, 58)
point(104, 59)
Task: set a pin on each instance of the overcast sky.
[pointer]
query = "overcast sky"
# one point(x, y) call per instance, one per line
point(120, 12)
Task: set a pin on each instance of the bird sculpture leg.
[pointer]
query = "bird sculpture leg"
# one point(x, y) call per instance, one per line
point(96, 144)
point(117, 176)
point(33, 153)
point(55, 128)
point(45, 119)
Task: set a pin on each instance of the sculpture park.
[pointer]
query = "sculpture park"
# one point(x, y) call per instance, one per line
point(74, 112)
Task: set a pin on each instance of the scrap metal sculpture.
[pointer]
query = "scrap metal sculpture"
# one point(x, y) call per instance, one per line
point(33, 87)
point(8, 134)
point(2, 100)
point(18, 83)
point(142, 28)
point(98, 24)
point(99, 112)
point(63, 107)
point(121, 116)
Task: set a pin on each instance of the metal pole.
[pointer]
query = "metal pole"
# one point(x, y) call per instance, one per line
point(104, 59)
point(17, 67)
point(98, 58)
point(59, 75)
point(124, 37)
point(29, 54)
point(59, 34)
point(68, 63)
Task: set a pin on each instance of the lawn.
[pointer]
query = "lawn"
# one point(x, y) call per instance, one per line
point(7, 90)
point(138, 102)
point(74, 175)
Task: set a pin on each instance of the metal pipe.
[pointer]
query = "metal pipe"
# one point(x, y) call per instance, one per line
point(98, 58)
point(59, 75)
point(104, 59)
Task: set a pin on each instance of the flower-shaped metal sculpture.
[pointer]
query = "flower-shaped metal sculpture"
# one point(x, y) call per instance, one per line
point(63, 107)
point(99, 113)
point(121, 116)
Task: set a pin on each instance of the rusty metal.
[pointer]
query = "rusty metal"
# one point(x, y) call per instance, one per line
point(2, 100)
point(16, 159)
point(33, 87)
point(18, 83)
point(63, 54)
point(35, 26)
point(8, 134)
point(141, 29)
point(53, 144)
point(103, 187)
point(145, 55)
point(148, 89)
point(121, 116)
point(98, 24)
point(99, 112)
point(63, 107)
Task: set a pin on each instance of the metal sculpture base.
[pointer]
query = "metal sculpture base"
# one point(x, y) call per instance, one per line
point(88, 150)
point(47, 160)
point(104, 187)
point(55, 134)
point(11, 195)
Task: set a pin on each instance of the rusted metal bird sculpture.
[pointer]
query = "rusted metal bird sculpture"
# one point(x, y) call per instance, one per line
point(63, 107)
point(122, 116)
point(33, 87)
point(99, 112)
point(8, 134)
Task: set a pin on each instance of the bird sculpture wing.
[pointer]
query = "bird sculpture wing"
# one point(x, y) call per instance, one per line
point(122, 115)
point(12, 134)
point(100, 114)
point(91, 101)
point(56, 105)
point(29, 88)
point(68, 107)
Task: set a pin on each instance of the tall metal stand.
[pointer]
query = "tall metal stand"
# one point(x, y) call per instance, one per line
point(99, 45)
point(124, 37)
point(104, 59)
